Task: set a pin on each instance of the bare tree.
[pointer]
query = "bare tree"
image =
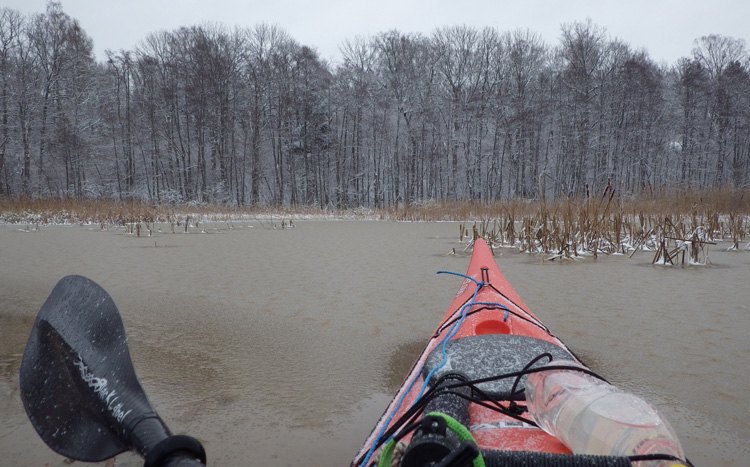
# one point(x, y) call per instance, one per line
point(459, 63)
point(716, 52)
point(725, 62)
point(407, 71)
point(11, 24)
point(50, 35)
point(250, 116)
point(523, 60)
point(583, 48)
point(359, 81)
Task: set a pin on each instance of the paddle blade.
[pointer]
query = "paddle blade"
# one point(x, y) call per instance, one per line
point(78, 384)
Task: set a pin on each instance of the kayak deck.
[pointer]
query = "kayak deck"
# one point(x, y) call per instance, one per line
point(487, 331)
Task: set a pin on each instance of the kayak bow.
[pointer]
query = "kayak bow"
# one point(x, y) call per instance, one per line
point(466, 389)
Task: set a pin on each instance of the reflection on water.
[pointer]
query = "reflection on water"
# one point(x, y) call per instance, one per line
point(400, 363)
point(13, 333)
point(284, 346)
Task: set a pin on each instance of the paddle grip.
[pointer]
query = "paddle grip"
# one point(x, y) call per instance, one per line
point(177, 451)
point(160, 448)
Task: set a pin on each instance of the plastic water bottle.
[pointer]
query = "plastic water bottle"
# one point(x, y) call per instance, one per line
point(591, 416)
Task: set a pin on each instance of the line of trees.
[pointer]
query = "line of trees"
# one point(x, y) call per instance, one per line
point(250, 116)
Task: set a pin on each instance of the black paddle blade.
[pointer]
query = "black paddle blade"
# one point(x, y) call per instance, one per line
point(78, 384)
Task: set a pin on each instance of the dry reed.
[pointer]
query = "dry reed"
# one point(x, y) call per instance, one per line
point(669, 223)
point(678, 227)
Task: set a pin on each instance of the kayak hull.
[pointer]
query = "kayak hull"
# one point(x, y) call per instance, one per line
point(488, 314)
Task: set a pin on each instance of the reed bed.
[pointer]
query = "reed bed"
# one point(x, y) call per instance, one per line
point(677, 226)
point(677, 229)
point(137, 217)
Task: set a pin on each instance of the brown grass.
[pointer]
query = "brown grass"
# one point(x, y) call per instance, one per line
point(677, 225)
point(674, 203)
point(43, 211)
point(670, 223)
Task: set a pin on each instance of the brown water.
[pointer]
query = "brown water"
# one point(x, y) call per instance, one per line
point(282, 347)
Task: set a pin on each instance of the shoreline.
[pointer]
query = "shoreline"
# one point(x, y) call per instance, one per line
point(678, 226)
point(674, 203)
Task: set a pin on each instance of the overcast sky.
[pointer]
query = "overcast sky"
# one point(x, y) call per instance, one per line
point(665, 28)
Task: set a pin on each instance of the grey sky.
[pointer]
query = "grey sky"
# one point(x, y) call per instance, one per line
point(665, 28)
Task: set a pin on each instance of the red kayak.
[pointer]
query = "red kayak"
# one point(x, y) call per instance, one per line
point(473, 371)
